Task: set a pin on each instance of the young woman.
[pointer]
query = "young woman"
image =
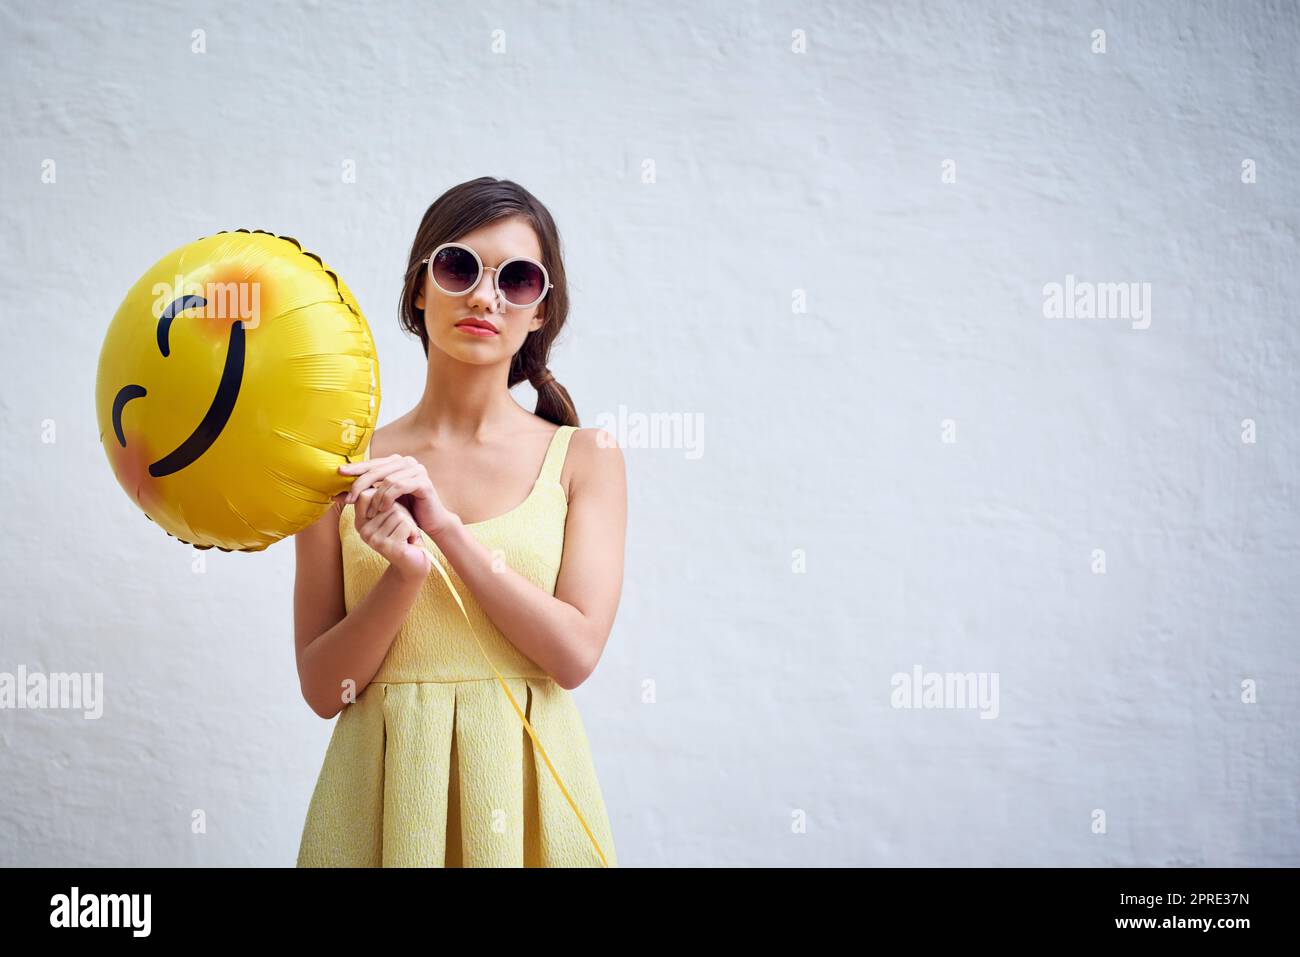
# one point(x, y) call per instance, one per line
point(429, 764)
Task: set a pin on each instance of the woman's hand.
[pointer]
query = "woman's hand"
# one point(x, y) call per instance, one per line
point(394, 535)
point(398, 477)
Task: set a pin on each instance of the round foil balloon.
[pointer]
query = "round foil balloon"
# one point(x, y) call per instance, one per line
point(235, 378)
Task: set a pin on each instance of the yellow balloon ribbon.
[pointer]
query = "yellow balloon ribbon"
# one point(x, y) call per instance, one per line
point(522, 717)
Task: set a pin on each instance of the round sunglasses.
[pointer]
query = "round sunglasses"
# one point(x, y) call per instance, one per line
point(456, 269)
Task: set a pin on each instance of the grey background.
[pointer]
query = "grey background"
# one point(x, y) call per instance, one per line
point(775, 171)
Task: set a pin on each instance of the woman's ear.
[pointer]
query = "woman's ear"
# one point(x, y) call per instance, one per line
point(419, 300)
point(537, 321)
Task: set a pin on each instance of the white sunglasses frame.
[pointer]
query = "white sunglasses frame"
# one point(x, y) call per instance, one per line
point(547, 285)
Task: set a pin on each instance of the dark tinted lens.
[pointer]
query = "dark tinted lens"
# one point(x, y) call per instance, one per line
point(521, 282)
point(455, 269)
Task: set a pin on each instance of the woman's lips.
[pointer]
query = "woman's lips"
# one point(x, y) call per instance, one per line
point(475, 330)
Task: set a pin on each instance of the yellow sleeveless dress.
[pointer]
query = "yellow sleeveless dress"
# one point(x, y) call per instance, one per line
point(431, 765)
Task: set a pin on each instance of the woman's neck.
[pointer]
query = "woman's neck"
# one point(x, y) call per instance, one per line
point(465, 403)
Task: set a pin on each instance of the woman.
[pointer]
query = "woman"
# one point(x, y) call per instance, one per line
point(429, 763)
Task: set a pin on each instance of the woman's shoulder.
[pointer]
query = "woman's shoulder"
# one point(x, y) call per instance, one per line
point(594, 459)
point(385, 439)
point(594, 439)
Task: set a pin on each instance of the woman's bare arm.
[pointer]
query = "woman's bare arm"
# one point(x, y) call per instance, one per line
point(332, 645)
point(564, 633)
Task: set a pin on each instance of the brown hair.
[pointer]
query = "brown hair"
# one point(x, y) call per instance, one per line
point(464, 208)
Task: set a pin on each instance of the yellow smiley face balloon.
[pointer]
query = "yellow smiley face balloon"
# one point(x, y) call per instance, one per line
point(235, 378)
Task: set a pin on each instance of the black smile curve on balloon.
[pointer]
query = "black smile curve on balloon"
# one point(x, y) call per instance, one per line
point(223, 403)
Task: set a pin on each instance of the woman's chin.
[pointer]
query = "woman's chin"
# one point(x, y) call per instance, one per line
point(474, 353)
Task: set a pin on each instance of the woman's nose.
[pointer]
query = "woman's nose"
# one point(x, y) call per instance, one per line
point(485, 293)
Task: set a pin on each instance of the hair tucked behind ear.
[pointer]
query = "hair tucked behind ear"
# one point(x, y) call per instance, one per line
point(464, 208)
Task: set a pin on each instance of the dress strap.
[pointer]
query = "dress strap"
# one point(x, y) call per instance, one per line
point(555, 455)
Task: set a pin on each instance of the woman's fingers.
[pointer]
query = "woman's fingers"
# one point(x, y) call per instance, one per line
point(391, 526)
point(373, 520)
point(365, 514)
point(383, 528)
point(394, 487)
point(387, 523)
point(372, 478)
point(374, 470)
point(389, 479)
point(356, 468)
point(402, 533)
point(387, 491)
point(393, 533)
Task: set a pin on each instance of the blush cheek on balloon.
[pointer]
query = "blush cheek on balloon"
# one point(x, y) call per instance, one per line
point(131, 466)
point(233, 295)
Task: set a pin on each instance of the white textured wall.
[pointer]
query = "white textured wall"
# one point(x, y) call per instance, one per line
point(775, 171)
